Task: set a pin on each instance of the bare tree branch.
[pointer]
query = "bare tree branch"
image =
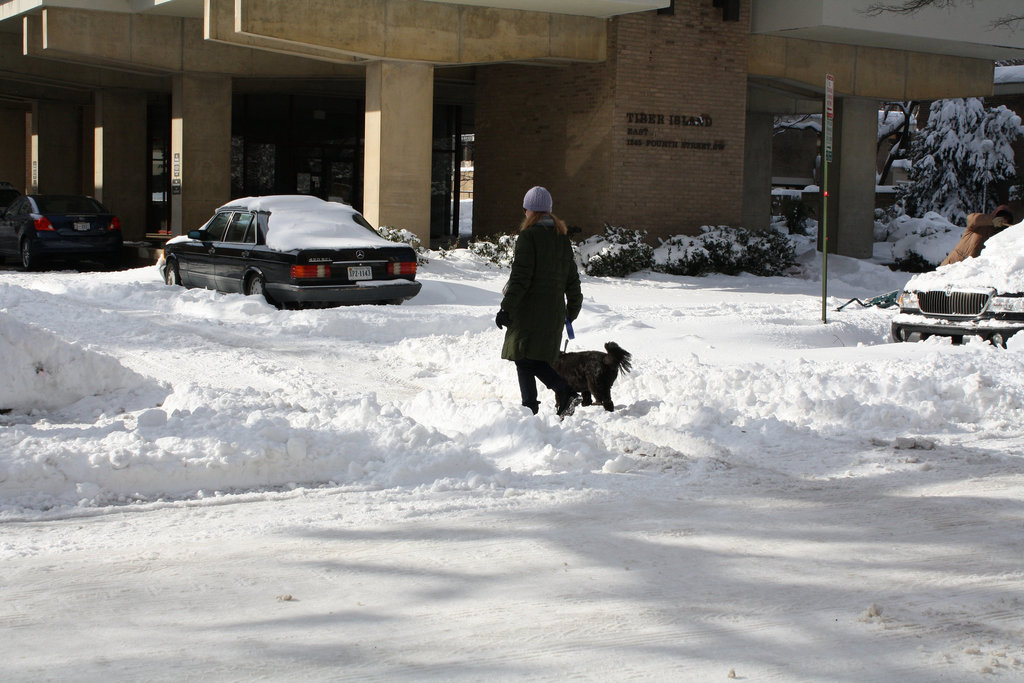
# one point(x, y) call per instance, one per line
point(1010, 21)
point(909, 6)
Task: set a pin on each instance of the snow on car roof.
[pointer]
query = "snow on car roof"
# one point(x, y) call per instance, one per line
point(304, 222)
point(1000, 265)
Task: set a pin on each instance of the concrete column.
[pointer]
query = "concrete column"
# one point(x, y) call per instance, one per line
point(55, 150)
point(200, 148)
point(851, 181)
point(120, 157)
point(399, 125)
point(13, 163)
point(757, 171)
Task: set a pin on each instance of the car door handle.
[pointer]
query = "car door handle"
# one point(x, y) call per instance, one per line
point(245, 254)
point(213, 250)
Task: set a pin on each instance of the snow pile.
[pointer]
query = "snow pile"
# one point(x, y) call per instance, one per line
point(39, 371)
point(931, 236)
point(1000, 265)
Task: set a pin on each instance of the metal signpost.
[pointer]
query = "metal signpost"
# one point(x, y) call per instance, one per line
point(830, 112)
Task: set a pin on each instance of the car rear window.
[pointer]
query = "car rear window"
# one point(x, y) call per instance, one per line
point(68, 204)
point(8, 196)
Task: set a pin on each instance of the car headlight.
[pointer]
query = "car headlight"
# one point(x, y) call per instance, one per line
point(1007, 304)
point(908, 301)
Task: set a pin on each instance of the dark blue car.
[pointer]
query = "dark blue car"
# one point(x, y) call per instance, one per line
point(39, 228)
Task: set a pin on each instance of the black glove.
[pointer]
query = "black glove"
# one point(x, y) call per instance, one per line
point(503, 319)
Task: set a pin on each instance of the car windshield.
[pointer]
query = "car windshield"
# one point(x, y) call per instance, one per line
point(8, 196)
point(67, 203)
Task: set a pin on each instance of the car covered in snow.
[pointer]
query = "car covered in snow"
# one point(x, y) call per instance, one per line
point(981, 296)
point(295, 251)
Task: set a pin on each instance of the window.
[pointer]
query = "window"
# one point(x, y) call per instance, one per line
point(57, 203)
point(238, 227)
point(251, 232)
point(20, 205)
point(216, 226)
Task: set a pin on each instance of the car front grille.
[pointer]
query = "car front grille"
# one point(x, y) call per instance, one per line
point(953, 303)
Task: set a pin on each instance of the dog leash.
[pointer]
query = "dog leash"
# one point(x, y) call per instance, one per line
point(568, 333)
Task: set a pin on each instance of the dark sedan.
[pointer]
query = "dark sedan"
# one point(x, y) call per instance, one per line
point(294, 251)
point(44, 227)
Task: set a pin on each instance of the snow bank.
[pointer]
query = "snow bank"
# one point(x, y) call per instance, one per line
point(1000, 265)
point(226, 394)
point(40, 371)
point(930, 236)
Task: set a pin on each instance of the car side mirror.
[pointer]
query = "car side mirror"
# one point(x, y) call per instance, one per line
point(200, 235)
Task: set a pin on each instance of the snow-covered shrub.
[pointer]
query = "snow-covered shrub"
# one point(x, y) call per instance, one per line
point(915, 244)
point(403, 236)
point(961, 159)
point(498, 250)
point(727, 250)
point(767, 253)
point(912, 262)
point(617, 253)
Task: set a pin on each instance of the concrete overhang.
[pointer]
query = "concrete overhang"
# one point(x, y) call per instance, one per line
point(869, 72)
point(601, 9)
point(155, 45)
point(438, 33)
point(174, 8)
point(966, 29)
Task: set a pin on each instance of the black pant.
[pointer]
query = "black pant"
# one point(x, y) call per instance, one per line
point(529, 371)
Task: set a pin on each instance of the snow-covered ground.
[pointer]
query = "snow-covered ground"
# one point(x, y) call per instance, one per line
point(199, 486)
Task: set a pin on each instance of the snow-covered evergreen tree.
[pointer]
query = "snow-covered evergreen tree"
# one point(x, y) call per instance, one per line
point(961, 158)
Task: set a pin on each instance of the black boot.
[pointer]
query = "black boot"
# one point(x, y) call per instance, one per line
point(566, 401)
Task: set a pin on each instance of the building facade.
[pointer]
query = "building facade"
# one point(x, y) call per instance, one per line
point(651, 114)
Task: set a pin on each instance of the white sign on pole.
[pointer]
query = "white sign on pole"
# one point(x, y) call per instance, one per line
point(830, 113)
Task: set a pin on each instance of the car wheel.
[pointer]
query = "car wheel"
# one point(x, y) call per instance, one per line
point(255, 285)
point(29, 259)
point(171, 275)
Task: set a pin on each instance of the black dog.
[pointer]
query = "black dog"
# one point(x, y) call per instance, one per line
point(594, 372)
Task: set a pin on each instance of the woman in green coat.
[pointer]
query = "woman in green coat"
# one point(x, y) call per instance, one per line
point(543, 292)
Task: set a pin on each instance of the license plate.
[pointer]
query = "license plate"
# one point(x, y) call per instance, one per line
point(82, 226)
point(360, 273)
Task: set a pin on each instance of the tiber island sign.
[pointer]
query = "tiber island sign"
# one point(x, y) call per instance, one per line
point(645, 129)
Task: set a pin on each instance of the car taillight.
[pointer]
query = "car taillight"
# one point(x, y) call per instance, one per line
point(320, 270)
point(115, 224)
point(42, 224)
point(402, 268)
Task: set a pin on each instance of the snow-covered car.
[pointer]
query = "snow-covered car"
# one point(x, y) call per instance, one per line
point(981, 296)
point(294, 251)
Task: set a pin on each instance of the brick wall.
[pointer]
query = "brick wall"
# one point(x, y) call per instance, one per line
point(587, 134)
point(542, 125)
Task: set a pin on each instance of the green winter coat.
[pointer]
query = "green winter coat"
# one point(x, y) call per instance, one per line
point(542, 292)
